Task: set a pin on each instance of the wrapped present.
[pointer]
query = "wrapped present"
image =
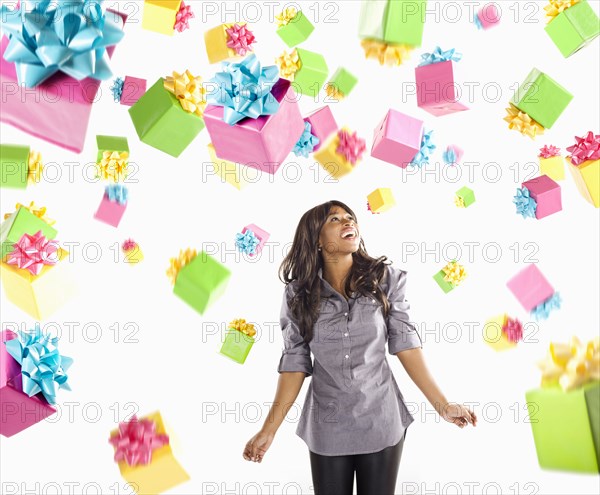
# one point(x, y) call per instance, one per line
point(436, 89)
point(452, 155)
point(397, 139)
point(393, 21)
point(322, 124)
point(307, 142)
point(380, 200)
point(160, 15)
point(228, 41)
point(538, 197)
point(168, 116)
point(254, 118)
point(132, 90)
point(24, 220)
point(426, 150)
point(230, 172)
point(551, 163)
point(565, 410)
point(340, 84)
point(502, 332)
point(198, 279)
point(573, 24)
point(113, 205)
point(523, 123)
point(487, 16)
point(386, 53)
point(293, 26)
point(19, 409)
point(239, 339)
point(52, 98)
point(251, 240)
point(112, 157)
point(450, 276)
point(340, 154)
point(308, 70)
point(584, 165)
point(132, 251)
point(19, 166)
point(534, 292)
point(144, 455)
point(464, 197)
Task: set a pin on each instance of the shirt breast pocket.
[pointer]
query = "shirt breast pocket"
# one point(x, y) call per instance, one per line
point(369, 310)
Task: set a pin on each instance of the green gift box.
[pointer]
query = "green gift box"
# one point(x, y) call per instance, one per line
point(111, 144)
point(22, 222)
point(542, 98)
point(444, 285)
point(312, 73)
point(393, 21)
point(296, 31)
point(161, 122)
point(467, 195)
point(574, 28)
point(237, 345)
point(201, 282)
point(14, 165)
point(343, 81)
point(566, 427)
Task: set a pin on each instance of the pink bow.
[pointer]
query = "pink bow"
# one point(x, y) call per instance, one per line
point(587, 148)
point(513, 330)
point(351, 146)
point(549, 151)
point(240, 38)
point(183, 17)
point(32, 252)
point(136, 441)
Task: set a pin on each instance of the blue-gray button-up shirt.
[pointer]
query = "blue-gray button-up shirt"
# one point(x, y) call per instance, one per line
point(353, 404)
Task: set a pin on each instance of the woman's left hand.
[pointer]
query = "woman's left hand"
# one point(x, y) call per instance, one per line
point(458, 414)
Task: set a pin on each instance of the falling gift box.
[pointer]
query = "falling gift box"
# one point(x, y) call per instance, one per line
point(238, 341)
point(25, 220)
point(228, 41)
point(381, 199)
point(572, 28)
point(340, 154)
point(502, 333)
point(464, 197)
point(452, 155)
point(132, 251)
point(308, 70)
point(132, 90)
point(252, 240)
point(551, 163)
point(112, 157)
point(113, 205)
point(145, 457)
point(230, 172)
point(294, 27)
point(487, 17)
point(393, 21)
point(159, 15)
point(53, 101)
point(322, 124)
point(533, 291)
point(450, 276)
point(546, 194)
point(397, 139)
point(341, 84)
point(19, 166)
point(584, 165)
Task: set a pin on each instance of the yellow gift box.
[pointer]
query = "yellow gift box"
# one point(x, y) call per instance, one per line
point(334, 163)
point(159, 15)
point(494, 336)
point(38, 295)
point(215, 40)
point(229, 172)
point(161, 474)
point(381, 200)
point(553, 167)
point(587, 179)
point(134, 256)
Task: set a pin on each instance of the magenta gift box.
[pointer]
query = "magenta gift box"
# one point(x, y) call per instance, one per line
point(17, 410)
point(262, 235)
point(488, 16)
point(110, 212)
point(546, 193)
point(530, 287)
point(133, 89)
point(261, 143)
point(436, 90)
point(397, 139)
point(322, 124)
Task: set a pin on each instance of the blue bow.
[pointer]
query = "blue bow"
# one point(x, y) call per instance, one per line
point(50, 36)
point(244, 90)
point(117, 89)
point(477, 21)
point(117, 193)
point(247, 242)
point(439, 56)
point(427, 147)
point(542, 311)
point(525, 204)
point(307, 142)
point(449, 156)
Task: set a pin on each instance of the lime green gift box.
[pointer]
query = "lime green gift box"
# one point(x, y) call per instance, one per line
point(393, 21)
point(566, 427)
point(22, 222)
point(312, 74)
point(444, 285)
point(467, 195)
point(14, 165)
point(574, 28)
point(237, 345)
point(111, 144)
point(296, 31)
point(343, 81)
point(161, 122)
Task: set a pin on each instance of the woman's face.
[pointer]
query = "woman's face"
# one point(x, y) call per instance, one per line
point(339, 234)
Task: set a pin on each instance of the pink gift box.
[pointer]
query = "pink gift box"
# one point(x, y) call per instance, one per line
point(110, 212)
point(261, 143)
point(17, 410)
point(530, 287)
point(436, 90)
point(547, 195)
point(262, 235)
point(397, 139)
point(458, 152)
point(488, 16)
point(133, 89)
point(322, 124)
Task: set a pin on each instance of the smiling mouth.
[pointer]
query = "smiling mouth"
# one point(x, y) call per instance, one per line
point(351, 234)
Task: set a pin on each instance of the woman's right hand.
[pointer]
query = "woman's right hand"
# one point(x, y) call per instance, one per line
point(258, 445)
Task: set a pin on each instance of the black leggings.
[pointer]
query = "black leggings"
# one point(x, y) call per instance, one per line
point(376, 473)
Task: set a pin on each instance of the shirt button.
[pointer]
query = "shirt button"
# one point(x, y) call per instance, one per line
point(346, 334)
point(345, 314)
point(346, 356)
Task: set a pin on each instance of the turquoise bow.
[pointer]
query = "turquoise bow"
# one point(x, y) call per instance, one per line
point(117, 193)
point(427, 147)
point(542, 311)
point(439, 56)
point(449, 156)
point(307, 142)
point(117, 89)
point(247, 242)
point(525, 204)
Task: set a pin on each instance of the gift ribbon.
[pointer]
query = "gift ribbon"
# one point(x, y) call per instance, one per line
point(129, 245)
point(459, 201)
point(477, 21)
point(334, 92)
point(449, 156)
point(572, 364)
point(117, 89)
point(522, 122)
point(188, 89)
point(47, 37)
point(549, 151)
point(43, 368)
point(289, 64)
point(38, 212)
point(247, 242)
point(241, 326)
point(526, 205)
point(556, 7)
point(176, 264)
point(351, 147)
point(513, 329)
point(113, 165)
point(136, 441)
point(454, 273)
point(542, 311)
point(117, 193)
point(385, 53)
point(438, 56)
point(182, 19)
point(286, 16)
point(34, 167)
point(245, 90)
point(239, 38)
point(369, 208)
point(585, 148)
point(307, 142)
point(427, 148)
point(32, 252)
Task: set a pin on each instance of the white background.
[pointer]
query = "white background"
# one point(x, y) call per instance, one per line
point(213, 405)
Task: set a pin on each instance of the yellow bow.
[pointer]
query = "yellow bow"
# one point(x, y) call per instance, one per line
point(334, 92)
point(38, 212)
point(571, 365)
point(454, 273)
point(522, 122)
point(289, 64)
point(35, 167)
point(113, 165)
point(460, 202)
point(286, 16)
point(241, 325)
point(176, 264)
point(386, 54)
point(555, 7)
point(188, 90)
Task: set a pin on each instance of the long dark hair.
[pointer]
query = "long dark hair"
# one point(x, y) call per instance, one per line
point(301, 266)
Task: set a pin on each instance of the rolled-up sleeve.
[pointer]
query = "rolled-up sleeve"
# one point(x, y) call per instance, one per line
point(296, 353)
point(402, 334)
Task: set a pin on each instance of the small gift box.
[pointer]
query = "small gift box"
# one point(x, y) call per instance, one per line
point(393, 21)
point(168, 116)
point(487, 16)
point(341, 83)
point(450, 276)
point(322, 124)
point(308, 70)
point(397, 139)
point(228, 41)
point(251, 240)
point(35, 275)
point(573, 24)
point(502, 333)
point(534, 292)
point(112, 157)
point(538, 197)
point(341, 153)
point(19, 166)
point(452, 155)
point(198, 279)
point(564, 411)
point(230, 172)
point(160, 15)
point(584, 165)
point(113, 205)
point(132, 251)
point(145, 457)
point(464, 197)
point(253, 118)
point(436, 89)
point(132, 90)
point(551, 163)
point(380, 200)
point(294, 27)
point(239, 339)
point(24, 220)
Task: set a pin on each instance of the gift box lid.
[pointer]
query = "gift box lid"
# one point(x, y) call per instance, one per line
point(540, 185)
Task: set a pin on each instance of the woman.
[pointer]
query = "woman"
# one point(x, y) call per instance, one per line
point(343, 305)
